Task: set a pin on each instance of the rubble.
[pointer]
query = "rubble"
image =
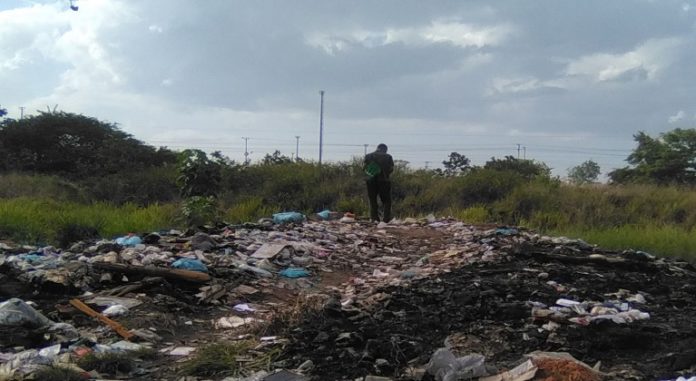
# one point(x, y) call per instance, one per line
point(341, 299)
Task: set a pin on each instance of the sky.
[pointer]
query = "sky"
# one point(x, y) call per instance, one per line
point(563, 81)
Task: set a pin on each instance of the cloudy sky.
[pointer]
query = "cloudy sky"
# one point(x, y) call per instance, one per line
point(567, 80)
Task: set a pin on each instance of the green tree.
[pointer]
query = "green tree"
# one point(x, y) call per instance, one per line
point(585, 173)
point(276, 158)
point(3, 112)
point(73, 146)
point(528, 169)
point(668, 159)
point(198, 175)
point(456, 164)
point(199, 183)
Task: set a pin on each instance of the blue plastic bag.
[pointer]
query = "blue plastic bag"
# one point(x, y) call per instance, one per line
point(287, 217)
point(34, 257)
point(294, 272)
point(324, 214)
point(506, 231)
point(129, 240)
point(190, 264)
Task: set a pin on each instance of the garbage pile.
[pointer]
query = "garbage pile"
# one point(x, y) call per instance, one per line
point(417, 299)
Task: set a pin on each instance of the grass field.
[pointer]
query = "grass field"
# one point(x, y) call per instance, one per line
point(45, 221)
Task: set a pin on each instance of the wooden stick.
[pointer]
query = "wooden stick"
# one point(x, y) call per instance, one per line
point(191, 276)
point(121, 330)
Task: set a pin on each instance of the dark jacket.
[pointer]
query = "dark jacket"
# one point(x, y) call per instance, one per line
point(385, 162)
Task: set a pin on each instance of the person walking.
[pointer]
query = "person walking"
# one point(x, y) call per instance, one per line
point(378, 166)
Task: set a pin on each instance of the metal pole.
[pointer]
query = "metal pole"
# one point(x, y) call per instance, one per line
point(21, 112)
point(321, 125)
point(297, 147)
point(518, 151)
point(524, 150)
point(246, 150)
point(365, 145)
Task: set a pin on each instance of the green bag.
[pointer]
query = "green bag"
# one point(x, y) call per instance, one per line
point(373, 169)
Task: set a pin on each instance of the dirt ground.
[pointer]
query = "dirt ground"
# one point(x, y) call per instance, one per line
point(480, 307)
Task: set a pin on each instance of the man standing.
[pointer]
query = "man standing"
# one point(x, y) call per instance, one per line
point(378, 166)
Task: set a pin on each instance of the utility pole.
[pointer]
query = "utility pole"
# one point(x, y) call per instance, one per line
point(21, 112)
point(297, 147)
point(321, 125)
point(246, 150)
point(427, 164)
point(518, 151)
point(524, 150)
point(365, 145)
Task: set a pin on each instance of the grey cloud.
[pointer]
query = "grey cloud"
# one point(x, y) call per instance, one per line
point(236, 62)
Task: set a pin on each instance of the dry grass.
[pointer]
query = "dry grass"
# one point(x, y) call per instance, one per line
point(284, 318)
point(225, 359)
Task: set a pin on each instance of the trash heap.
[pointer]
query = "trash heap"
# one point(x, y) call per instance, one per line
point(417, 299)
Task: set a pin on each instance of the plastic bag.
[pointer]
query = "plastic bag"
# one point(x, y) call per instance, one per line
point(288, 217)
point(294, 272)
point(15, 312)
point(372, 169)
point(446, 367)
point(115, 310)
point(129, 240)
point(190, 264)
point(260, 272)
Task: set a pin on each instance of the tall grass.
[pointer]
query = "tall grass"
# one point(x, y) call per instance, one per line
point(35, 220)
point(39, 186)
point(657, 240)
point(653, 218)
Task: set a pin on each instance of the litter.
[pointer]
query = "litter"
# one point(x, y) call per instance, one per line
point(294, 272)
point(233, 322)
point(16, 312)
point(288, 217)
point(243, 308)
point(129, 240)
point(115, 310)
point(190, 264)
point(181, 351)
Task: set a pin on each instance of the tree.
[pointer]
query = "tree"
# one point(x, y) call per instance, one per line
point(74, 146)
point(3, 112)
point(456, 164)
point(668, 159)
point(585, 173)
point(276, 158)
point(199, 183)
point(198, 175)
point(528, 169)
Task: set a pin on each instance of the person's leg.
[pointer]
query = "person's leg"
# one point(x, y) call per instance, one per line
point(372, 192)
point(385, 196)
